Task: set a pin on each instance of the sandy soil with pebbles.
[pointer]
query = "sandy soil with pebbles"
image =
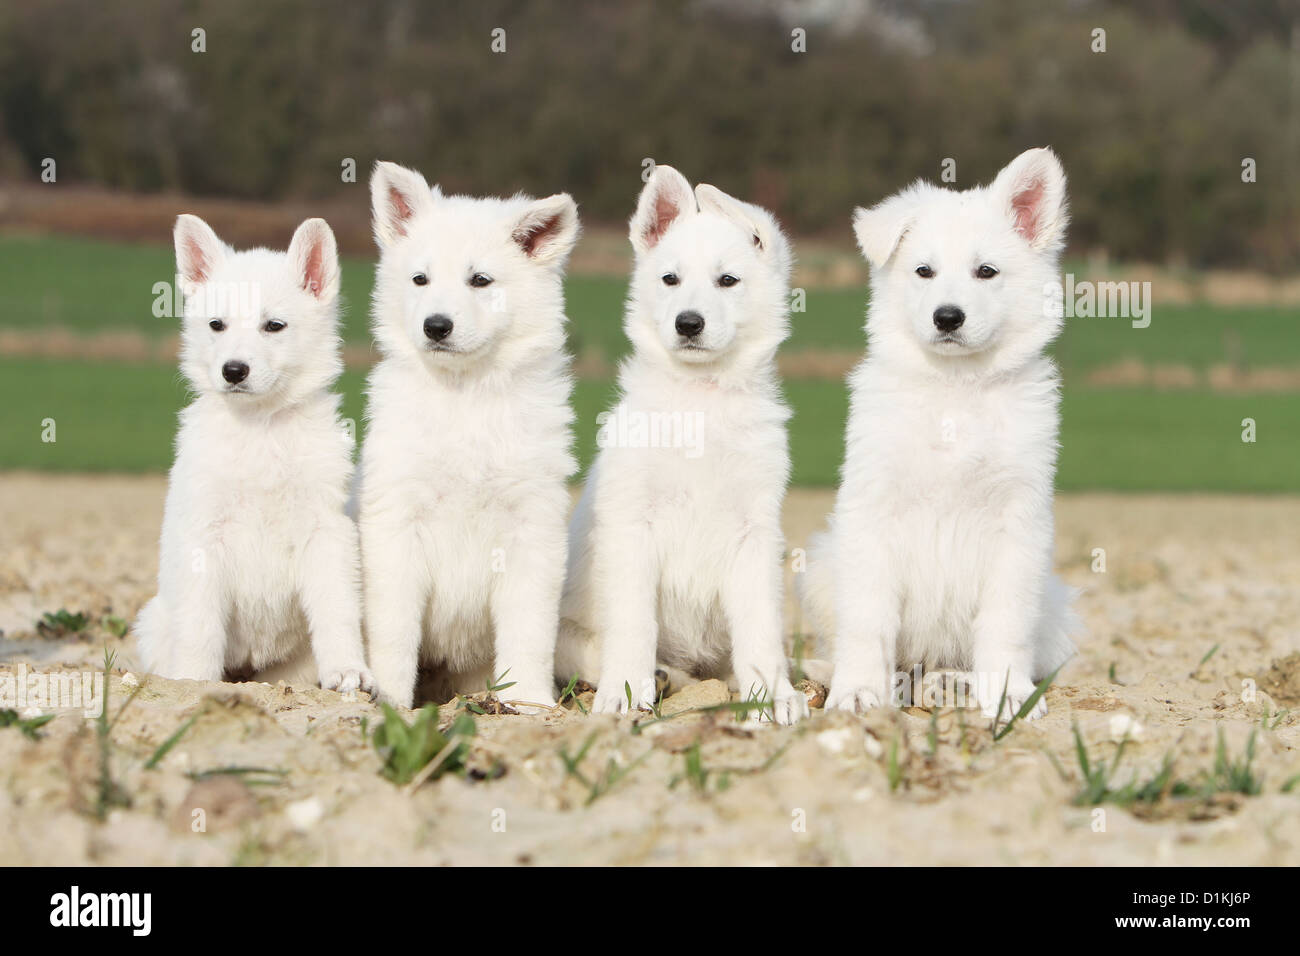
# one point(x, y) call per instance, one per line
point(1184, 575)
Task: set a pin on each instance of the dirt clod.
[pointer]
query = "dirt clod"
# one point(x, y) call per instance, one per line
point(1282, 680)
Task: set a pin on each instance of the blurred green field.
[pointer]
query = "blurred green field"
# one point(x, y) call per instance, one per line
point(121, 416)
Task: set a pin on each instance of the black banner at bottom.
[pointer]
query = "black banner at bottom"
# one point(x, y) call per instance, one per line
point(337, 905)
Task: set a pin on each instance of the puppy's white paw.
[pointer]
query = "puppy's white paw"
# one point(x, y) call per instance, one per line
point(349, 680)
point(855, 700)
point(790, 705)
point(612, 695)
point(786, 706)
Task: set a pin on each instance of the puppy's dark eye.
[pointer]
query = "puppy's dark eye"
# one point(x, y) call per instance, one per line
point(986, 271)
point(479, 281)
point(670, 278)
point(925, 272)
point(216, 325)
point(274, 325)
point(420, 279)
point(727, 280)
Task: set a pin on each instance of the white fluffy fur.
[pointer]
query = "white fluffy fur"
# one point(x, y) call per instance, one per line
point(463, 495)
point(675, 557)
point(940, 546)
point(257, 551)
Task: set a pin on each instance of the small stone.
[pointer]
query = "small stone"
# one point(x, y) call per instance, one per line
point(130, 680)
point(1122, 725)
point(304, 814)
point(707, 693)
point(494, 706)
point(815, 692)
point(835, 741)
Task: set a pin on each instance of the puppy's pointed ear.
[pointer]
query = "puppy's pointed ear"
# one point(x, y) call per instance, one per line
point(1031, 190)
point(713, 199)
point(397, 195)
point(664, 199)
point(881, 228)
point(198, 250)
point(548, 229)
point(314, 259)
point(757, 221)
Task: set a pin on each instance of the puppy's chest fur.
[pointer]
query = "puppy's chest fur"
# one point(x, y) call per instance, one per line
point(956, 444)
point(709, 495)
point(253, 488)
point(453, 456)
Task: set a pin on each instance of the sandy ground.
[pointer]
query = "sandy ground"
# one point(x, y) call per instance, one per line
point(1183, 575)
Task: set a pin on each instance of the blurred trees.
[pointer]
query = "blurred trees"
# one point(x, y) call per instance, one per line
point(1152, 132)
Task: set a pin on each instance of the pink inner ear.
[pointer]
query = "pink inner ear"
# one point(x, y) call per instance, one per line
point(399, 210)
point(1024, 209)
point(532, 236)
point(313, 271)
point(665, 212)
point(197, 264)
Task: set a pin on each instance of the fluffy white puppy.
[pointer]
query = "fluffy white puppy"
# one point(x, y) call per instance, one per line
point(940, 546)
point(676, 545)
point(463, 494)
point(257, 551)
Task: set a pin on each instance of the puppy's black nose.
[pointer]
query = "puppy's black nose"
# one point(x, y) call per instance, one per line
point(690, 324)
point(234, 372)
point(948, 318)
point(437, 327)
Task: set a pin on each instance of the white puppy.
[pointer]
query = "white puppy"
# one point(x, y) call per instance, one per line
point(676, 545)
point(940, 545)
point(257, 551)
point(463, 494)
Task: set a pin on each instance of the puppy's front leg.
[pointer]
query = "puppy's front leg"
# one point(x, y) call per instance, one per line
point(329, 583)
point(395, 579)
point(867, 619)
point(626, 585)
point(1004, 627)
point(197, 648)
point(751, 601)
point(526, 614)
